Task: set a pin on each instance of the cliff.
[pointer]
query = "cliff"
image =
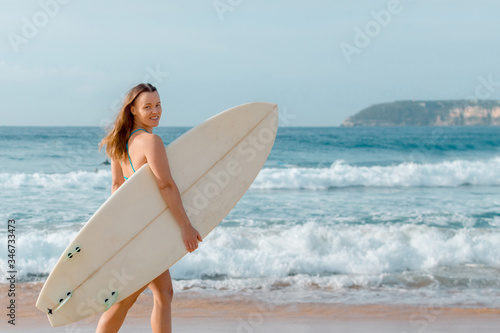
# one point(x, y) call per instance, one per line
point(428, 113)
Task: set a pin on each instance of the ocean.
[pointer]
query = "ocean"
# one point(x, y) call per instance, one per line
point(407, 215)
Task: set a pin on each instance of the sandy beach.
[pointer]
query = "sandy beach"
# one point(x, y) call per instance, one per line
point(194, 313)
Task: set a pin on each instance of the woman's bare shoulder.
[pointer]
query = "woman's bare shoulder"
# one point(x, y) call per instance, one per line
point(151, 144)
point(150, 139)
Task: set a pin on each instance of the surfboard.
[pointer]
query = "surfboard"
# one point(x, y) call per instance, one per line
point(133, 237)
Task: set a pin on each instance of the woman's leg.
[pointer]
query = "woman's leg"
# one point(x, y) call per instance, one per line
point(161, 318)
point(112, 320)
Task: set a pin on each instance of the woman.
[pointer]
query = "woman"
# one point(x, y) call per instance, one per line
point(130, 144)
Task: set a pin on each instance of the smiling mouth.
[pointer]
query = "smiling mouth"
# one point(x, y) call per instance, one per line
point(154, 118)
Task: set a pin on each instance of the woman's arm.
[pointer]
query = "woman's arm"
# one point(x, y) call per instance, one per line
point(116, 176)
point(156, 156)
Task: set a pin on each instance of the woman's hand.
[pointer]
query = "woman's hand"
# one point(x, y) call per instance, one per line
point(190, 236)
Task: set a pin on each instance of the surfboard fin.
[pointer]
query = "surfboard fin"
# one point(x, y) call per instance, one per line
point(62, 301)
point(74, 252)
point(110, 300)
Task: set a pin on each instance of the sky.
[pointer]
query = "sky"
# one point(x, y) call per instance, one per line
point(69, 62)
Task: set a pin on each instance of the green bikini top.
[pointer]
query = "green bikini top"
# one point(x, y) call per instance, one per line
point(127, 149)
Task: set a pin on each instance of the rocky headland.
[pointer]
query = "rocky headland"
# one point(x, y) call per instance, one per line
point(428, 113)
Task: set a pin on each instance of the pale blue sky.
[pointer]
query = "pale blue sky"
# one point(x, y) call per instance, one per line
point(87, 54)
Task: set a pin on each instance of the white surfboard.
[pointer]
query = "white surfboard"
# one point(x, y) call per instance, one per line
point(132, 238)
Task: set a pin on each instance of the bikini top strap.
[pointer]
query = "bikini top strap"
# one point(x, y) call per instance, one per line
point(127, 146)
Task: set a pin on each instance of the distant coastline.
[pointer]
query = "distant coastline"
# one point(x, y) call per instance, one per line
point(428, 113)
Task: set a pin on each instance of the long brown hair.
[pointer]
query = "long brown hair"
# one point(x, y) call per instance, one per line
point(117, 137)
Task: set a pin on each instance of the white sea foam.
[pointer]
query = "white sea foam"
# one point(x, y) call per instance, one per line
point(329, 264)
point(339, 174)
point(37, 252)
point(314, 249)
point(315, 262)
point(71, 180)
point(310, 249)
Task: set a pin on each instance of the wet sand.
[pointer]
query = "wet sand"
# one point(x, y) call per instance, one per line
point(196, 312)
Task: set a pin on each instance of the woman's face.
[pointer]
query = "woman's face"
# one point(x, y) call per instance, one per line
point(147, 109)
